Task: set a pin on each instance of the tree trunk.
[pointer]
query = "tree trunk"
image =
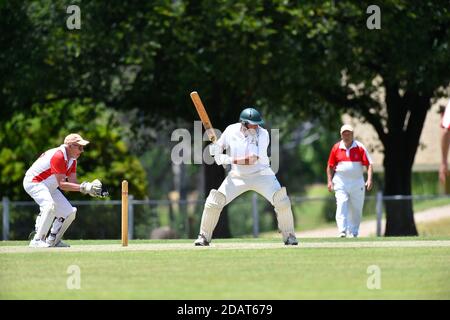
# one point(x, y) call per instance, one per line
point(214, 176)
point(406, 116)
point(397, 181)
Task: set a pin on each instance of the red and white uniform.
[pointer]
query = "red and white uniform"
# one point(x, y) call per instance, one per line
point(446, 118)
point(40, 180)
point(258, 177)
point(348, 182)
point(51, 162)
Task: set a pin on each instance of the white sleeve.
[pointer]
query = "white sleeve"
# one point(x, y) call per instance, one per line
point(223, 140)
point(263, 144)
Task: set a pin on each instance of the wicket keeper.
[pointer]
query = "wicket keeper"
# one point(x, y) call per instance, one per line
point(57, 168)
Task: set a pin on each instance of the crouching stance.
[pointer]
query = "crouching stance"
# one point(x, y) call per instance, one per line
point(247, 142)
point(56, 168)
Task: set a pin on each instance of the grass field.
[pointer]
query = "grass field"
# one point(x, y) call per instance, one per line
point(434, 228)
point(410, 268)
point(311, 214)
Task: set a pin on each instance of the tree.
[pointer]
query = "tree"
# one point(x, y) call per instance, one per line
point(386, 77)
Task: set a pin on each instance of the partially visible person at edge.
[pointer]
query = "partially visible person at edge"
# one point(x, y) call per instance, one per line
point(445, 142)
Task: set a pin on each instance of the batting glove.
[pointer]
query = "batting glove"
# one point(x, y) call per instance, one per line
point(222, 159)
point(215, 149)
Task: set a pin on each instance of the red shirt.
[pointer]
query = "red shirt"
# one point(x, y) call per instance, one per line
point(348, 163)
point(51, 162)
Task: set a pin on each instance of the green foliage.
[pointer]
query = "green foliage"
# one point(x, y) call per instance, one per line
point(150, 55)
point(298, 60)
point(425, 183)
point(309, 159)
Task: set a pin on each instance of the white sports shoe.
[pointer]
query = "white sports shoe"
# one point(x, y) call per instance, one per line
point(351, 235)
point(38, 244)
point(62, 245)
point(342, 234)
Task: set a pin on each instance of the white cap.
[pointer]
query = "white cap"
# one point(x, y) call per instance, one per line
point(346, 127)
point(75, 138)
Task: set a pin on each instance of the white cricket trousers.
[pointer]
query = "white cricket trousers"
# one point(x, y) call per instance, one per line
point(264, 184)
point(349, 195)
point(45, 198)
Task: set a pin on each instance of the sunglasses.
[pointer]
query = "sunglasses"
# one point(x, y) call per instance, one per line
point(78, 146)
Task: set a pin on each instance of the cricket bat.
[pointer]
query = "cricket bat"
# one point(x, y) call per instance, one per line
point(203, 116)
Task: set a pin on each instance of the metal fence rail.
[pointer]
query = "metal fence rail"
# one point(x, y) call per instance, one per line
point(379, 200)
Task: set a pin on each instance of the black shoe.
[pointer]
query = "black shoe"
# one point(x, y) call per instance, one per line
point(291, 240)
point(201, 241)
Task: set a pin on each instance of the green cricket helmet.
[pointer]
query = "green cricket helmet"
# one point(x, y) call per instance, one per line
point(251, 116)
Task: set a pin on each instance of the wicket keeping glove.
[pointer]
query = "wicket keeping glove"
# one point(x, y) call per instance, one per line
point(94, 188)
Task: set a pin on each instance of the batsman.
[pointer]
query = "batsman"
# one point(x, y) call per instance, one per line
point(246, 142)
point(55, 170)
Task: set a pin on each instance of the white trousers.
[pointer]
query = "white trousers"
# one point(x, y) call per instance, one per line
point(264, 184)
point(45, 198)
point(349, 195)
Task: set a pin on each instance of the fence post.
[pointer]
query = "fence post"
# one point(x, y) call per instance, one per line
point(5, 203)
point(255, 215)
point(130, 217)
point(379, 209)
point(187, 229)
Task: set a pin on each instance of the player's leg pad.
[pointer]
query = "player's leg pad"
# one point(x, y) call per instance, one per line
point(60, 226)
point(282, 205)
point(45, 218)
point(211, 213)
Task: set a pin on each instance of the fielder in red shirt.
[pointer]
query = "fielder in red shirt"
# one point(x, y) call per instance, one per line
point(345, 172)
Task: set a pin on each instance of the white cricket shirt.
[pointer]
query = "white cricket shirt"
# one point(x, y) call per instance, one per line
point(239, 145)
